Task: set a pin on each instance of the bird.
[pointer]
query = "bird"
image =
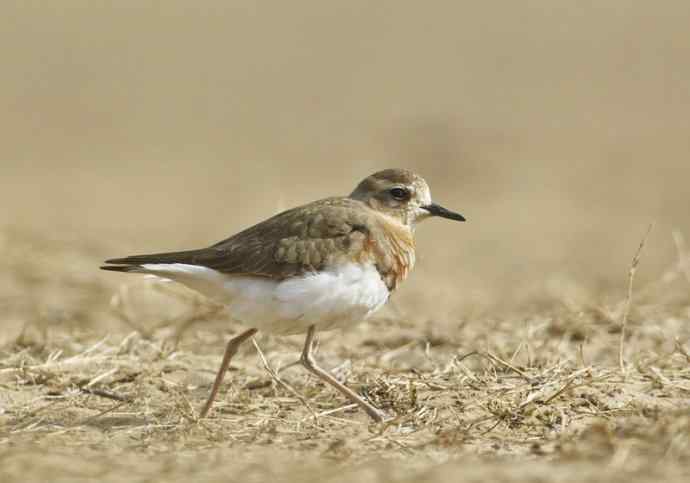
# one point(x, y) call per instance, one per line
point(324, 265)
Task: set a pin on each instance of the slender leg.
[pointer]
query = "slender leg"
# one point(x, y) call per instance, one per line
point(308, 361)
point(230, 351)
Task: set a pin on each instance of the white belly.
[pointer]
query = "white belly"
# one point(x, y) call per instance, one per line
point(328, 299)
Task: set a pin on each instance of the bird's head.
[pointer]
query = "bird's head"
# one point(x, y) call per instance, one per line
point(401, 194)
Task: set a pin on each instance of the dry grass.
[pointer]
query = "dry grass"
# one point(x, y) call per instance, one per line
point(104, 391)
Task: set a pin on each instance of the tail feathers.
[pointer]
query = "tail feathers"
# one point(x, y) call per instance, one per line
point(134, 263)
point(171, 257)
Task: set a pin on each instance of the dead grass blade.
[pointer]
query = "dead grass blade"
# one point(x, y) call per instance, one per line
point(628, 299)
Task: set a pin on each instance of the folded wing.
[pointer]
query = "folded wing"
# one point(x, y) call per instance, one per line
point(294, 242)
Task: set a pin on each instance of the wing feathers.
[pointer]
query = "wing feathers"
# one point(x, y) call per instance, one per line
point(291, 243)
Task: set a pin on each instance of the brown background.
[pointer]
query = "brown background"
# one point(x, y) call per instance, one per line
point(559, 129)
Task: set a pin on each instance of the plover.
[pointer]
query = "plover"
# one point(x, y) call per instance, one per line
point(323, 265)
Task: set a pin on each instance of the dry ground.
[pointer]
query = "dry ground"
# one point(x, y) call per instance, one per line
point(92, 390)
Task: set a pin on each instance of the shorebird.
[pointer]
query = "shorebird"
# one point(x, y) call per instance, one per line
point(327, 264)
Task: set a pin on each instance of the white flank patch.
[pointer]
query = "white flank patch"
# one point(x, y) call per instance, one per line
point(327, 299)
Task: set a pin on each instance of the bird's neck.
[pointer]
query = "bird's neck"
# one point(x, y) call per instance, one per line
point(394, 251)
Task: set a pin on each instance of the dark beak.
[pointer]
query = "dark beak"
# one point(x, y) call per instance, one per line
point(438, 210)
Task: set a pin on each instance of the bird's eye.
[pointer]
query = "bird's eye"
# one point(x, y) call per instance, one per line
point(399, 193)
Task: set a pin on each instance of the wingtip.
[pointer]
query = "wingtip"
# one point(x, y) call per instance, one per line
point(117, 261)
point(118, 268)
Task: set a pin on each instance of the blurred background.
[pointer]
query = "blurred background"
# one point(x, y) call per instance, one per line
point(559, 129)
